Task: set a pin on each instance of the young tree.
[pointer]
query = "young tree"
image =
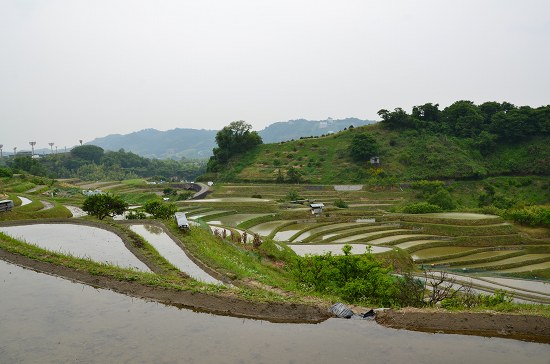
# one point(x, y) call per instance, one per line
point(160, 210)
point(363, 146)
point(233, 139)
point(104, 205)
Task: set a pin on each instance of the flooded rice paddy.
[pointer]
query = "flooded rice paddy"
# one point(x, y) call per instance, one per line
point(335, 249)
point(267, 228)
point(460, 216)
point(366, 235)
point(235, 219)
point(413, 243)
point(518, 259)
point(527, 268)
point(51, 320)
point(172, 252)
point(440, 252)
point(76, 211)
point(389, 239)
point(288, 231)
point(201, 215)
point(482, 255)
point(541, 287)
point(24, 201)
point(230, 199)
point(78, 240)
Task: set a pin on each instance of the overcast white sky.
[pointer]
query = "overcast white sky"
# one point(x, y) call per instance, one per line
point(73, 69)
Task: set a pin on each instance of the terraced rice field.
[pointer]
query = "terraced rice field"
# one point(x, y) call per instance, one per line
point(440, 251)
point(450, 241)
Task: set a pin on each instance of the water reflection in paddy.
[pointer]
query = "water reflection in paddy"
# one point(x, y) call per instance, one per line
point(264, 229)
point(47, 319)
point(172, 252)
point(24, 200)
point(335, 249)
point(78, 240)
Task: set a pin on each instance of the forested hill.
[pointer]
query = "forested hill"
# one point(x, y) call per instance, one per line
point(462, 141)
point(193, 143)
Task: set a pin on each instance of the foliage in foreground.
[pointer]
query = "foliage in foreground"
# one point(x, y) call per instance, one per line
point(355, 278)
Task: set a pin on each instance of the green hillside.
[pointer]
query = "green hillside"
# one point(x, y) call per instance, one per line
point(404, 155)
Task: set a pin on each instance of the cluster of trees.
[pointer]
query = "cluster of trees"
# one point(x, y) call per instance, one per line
point(236, 138)
point(90, 162)
point(487, 123)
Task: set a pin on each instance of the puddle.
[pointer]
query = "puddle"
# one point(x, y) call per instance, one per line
point(24, 201)
point(335, 249)
point(78, 240)
point(172, 252)
point(46, 319)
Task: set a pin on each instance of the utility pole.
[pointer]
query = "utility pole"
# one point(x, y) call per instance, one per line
point(1, 155)
point(32, 146)
point(51, 147)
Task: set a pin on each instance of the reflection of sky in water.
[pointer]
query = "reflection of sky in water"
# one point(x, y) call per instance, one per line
point(78, 240)
point(335, 249)
point(172, 252)
point(47, 319)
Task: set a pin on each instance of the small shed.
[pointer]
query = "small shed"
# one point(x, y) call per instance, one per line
point(375, 161)
point(181, 220)
point(316, 208)
point(6, 205)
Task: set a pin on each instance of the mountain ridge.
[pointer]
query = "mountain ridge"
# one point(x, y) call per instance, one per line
point(198, 143)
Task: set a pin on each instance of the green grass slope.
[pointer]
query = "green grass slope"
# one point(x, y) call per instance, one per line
point(404, 155)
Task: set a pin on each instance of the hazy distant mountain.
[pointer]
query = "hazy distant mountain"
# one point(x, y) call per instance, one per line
point(294, 129)
point(194, 143)
point(152, 143)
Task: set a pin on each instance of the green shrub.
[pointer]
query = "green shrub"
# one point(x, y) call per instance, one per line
point(442, 198)
point(159, 209)
point(340, 203)
point(421, 208)
point(354, 278)
point(6, 172)
point(531, 215)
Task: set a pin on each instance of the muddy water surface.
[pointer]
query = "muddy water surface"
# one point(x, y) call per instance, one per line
point(172, 252)
point(78, 240)
point(47, 319)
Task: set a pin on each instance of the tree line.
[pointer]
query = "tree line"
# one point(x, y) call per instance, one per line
point(487, 124)
point(90, 162)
